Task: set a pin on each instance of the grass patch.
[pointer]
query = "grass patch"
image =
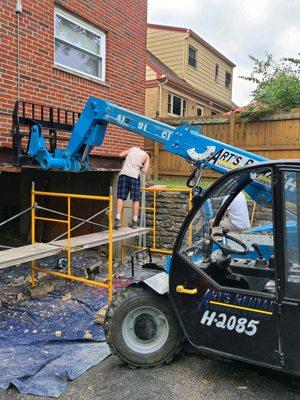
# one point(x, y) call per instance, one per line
point(181, 184)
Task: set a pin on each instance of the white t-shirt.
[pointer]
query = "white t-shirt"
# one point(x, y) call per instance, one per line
point(238, 211)
point(134, 162)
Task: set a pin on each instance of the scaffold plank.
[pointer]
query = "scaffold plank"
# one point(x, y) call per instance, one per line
point(27, 253)
point(100, 238)
point(38, 251)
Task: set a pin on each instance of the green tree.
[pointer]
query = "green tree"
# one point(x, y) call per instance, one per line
point(277, 86)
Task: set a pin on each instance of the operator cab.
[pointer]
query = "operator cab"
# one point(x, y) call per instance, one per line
point(237, 291)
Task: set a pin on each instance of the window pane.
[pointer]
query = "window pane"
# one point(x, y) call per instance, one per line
point(217, 73)
point(292, 232)
point(228, 80)
point(176, 105)
point(199, 111)
point(192, 57)
point(169, 104)
point(74, 58)
point(77, 35)
point(229, 207)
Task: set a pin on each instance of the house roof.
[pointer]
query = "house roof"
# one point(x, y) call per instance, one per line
point(165, 73)
point(159, 67)
point(196, 37)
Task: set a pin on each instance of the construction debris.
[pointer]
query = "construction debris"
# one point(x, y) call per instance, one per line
point(40, 290)
point(101, 315)
point(87, 335)
point(67, 297)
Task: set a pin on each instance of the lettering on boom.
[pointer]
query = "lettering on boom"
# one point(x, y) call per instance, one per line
point(230, 160)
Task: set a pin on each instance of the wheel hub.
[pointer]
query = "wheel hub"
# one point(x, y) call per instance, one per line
point(145, 329)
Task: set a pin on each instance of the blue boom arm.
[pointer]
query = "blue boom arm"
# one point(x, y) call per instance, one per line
point(190, 144)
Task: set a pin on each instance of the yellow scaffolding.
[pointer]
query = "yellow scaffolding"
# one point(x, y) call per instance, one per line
point(153, 209)
point(108, 282)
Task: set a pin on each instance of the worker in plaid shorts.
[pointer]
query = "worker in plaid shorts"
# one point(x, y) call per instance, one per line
point(137, 161)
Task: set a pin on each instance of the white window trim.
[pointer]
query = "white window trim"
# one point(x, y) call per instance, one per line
point(189, 56)
point(199, 107)
point(90, 28)
point(181, 107)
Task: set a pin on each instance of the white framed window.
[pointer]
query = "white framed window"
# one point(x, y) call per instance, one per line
point(213, 112)
point(192, 57)
point(228, 80)
point(217, 72)
point(200, 111)
point(79, 46)
point(176, 105)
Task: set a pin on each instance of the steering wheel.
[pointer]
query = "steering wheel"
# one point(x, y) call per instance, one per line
point(222, 244)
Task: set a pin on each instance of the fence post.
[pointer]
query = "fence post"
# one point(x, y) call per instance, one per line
point(155, 160)
point(232, 128)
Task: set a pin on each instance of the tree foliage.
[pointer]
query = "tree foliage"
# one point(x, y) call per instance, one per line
point(277, 86)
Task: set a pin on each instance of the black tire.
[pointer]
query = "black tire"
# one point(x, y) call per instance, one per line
point(131, 342)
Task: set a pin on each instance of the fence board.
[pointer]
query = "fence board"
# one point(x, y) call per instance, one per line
point(276, 137)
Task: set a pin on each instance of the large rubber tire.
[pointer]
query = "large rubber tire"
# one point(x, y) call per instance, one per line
point(142, 329)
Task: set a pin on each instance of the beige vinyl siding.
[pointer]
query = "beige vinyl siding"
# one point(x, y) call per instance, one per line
point(203, 77)
point(151, 101)
point(169, 47)
point(150, 73)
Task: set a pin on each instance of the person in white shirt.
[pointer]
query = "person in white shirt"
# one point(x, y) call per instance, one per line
point(237, 216)
point(137, 161)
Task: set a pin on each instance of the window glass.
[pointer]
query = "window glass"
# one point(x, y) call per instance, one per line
point(176, 105)
point(228, 77)
point(212, 242)
point(217, 73)
point(192, 56)
point(77, 46)
point(291, 195)
point(74, 58)
point(199, 111)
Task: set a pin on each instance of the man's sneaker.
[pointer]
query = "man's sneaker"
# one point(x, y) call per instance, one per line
point(133, 224)
point(117, 224)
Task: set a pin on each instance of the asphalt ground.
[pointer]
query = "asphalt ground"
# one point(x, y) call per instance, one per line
point(189, 377)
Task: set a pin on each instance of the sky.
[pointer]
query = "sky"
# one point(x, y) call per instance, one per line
point(236, 28)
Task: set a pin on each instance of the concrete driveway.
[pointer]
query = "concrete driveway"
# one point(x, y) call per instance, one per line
point(189, 377)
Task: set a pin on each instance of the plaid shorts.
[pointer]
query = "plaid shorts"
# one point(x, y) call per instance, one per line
point(127, 184)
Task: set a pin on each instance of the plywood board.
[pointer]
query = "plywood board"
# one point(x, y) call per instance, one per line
point(41, 250)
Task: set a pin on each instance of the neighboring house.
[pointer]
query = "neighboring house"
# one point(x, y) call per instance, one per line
point(58, 53)
point(185, 76)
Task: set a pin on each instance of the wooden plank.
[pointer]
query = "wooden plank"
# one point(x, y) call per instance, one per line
point(26, 253)
point(38, 251)
point(100, 238)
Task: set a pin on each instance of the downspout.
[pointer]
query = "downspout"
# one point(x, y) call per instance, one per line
point(160, 84)
point(18, 12)
point(156, 145)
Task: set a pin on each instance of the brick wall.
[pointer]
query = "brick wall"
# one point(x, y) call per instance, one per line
point(41, 82)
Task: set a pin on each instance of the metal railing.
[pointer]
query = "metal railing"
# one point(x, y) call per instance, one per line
point(108, 283)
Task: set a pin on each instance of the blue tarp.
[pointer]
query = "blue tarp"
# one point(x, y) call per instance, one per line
point(31, 357)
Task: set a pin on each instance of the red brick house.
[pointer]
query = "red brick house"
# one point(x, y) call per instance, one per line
point(58, 53)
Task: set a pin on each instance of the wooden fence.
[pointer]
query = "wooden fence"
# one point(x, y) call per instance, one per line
point(274, 137)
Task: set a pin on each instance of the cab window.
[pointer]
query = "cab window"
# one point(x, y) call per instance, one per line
point(230, 238)
point(291, 198)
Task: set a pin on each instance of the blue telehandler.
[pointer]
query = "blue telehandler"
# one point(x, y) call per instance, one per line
point(234, 294)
